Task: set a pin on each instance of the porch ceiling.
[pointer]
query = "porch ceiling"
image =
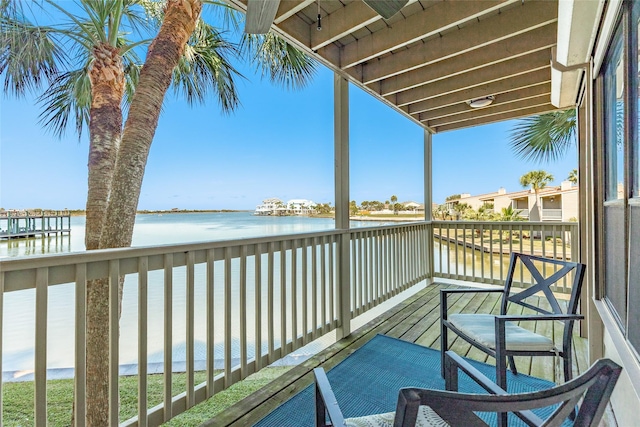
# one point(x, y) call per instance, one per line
point(432, 57)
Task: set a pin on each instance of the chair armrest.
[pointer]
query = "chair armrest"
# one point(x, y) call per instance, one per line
point(445, 292)
point(326, 402)
point(564, 317)
point(478, 290)
point(453, 362)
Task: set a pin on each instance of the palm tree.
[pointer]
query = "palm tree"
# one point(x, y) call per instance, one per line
point(545, 137)
point(85, 66)
point(537, 180)
point(573, 177)
point(394, 199)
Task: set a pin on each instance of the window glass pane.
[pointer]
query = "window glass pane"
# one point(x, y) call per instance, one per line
point(614, 122)
point(635, 173)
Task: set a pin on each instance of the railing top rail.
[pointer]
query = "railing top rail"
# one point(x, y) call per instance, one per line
point(523, 223)
point(48, 260)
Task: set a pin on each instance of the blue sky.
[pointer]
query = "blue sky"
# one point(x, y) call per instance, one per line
point(279, 143)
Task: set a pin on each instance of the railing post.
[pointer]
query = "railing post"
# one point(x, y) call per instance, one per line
point(341, 153)
point(428, 202)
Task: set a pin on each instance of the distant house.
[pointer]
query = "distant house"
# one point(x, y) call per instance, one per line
point(274, 206)
point(413, 206)
point(558, 203)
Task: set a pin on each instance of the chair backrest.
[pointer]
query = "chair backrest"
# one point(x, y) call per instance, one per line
point(545, 274)
point(593, 387)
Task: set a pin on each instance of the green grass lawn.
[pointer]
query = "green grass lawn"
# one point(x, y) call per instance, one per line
point(18, 398)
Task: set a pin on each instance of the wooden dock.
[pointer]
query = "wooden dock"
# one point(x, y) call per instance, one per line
point(31, 223)
point(414, 320)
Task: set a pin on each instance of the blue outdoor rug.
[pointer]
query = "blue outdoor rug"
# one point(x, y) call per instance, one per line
point(367, 382)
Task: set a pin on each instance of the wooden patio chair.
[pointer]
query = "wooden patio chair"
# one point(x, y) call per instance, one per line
point(499, 335)
point(590, 393)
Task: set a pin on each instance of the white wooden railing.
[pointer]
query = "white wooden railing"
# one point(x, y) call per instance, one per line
point(479, 251)
point(252, 301)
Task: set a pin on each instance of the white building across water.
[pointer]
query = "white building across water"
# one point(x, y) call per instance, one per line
point(275, 206)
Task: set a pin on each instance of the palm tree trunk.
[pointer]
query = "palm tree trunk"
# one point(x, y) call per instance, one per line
point(142, 121)
point(105, 129)
point(117, 230)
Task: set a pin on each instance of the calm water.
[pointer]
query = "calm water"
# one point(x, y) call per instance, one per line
point(163, 229)
point(150, 229)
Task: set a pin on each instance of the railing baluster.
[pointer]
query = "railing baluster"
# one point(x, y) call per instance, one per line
point(168, 335)
point(283, 299)
point(190, 333)
point(305, 291)
point(211, 337)
point(114, 345)
point(323, 285)
point(332, 315)
point(228, 314)
point(491, 231)
point(354, 276)
point(80, 374)
point(270, 303)
point(314, 287)
point(40, 374)
point(143, 264)
point(501, 233)
point(294, 295)
point(243, 311)
point(379, 264)
point(370, 268)
point(361, 285)
point(258, 304)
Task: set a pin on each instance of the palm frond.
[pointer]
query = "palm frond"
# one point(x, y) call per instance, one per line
point(68, 96)
point(281, 62)
point(29, 56)
point(544, 138)
point(205, 66)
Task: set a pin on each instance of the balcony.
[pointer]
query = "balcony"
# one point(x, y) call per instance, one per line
point(234, 307)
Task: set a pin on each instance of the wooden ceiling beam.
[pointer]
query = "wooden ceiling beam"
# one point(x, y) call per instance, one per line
point(288, 8)
point(510, 23)
point(475, 113)
point(513, 67)
point(507, 85)
point(432, 20)
point(541, 109)
point(344, 21)
point(513, 47)
point(503, 98)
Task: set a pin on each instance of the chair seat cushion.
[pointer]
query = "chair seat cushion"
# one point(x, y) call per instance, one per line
point(426, 418)
point(481, 328)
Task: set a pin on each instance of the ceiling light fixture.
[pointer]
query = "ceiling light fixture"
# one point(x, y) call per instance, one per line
point(481, 102)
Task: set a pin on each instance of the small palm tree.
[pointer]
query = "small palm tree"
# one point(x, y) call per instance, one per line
point(573, 177)
point(545, 137)
point(394, 205)
point(537, 180)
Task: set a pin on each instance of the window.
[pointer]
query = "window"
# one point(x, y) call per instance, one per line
point(614, 112)
point(620, 228)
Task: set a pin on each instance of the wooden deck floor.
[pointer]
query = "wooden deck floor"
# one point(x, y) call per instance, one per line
point(416, 320)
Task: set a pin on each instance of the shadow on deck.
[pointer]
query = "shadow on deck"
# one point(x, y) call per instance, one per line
point(415, 320)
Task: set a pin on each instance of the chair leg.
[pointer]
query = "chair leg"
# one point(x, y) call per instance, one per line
point(568, 369)
point(444, 342)
point(501, 380)
point(512, 363)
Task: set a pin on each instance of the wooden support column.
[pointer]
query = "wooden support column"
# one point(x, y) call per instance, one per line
point(428, 201)
point(592, 325)
point(341, 153)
